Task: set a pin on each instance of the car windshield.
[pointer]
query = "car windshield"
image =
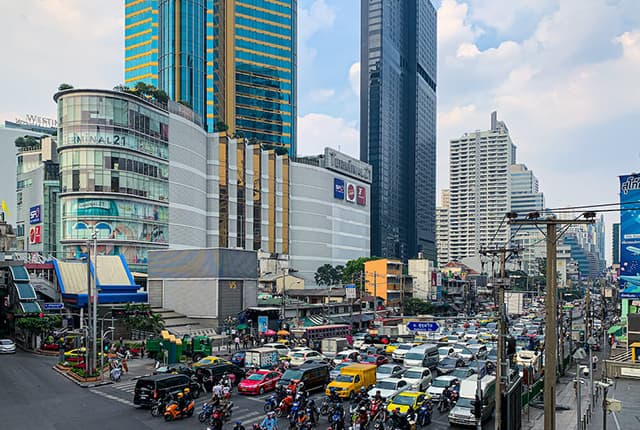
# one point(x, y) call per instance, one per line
point(385, 370)
point(6, 342)
point(448, 362)
point(256, 377)
point(414, 356)
point(291, 375)
point(460, 373)
point(370, 359)
point(464, 402)
point(344, 378)
point(404, 400)
point(444, 350)
point(298, 355)
point(404, 346)
point(440, 383)
point(413, 374)
point(386, 385)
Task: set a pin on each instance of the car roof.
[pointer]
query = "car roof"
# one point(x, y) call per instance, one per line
point(387, 365)
point(410, 393)
point(419, 369)
point(446, 378)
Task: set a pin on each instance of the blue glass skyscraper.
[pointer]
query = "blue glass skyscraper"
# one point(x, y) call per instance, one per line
point(141, 42)
point(398, 124)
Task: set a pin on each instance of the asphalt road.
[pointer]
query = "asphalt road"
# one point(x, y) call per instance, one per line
point(33, 396)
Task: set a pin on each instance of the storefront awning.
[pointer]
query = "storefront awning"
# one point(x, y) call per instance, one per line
point(30, 307)
point(614, 329)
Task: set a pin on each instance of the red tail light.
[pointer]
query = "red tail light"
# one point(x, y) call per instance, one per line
point(155, 394)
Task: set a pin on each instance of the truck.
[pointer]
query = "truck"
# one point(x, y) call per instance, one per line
point(194, 347)
point(333, 345)
point(264, 358)
point(514, 302)
point(463, 412)
point(351, 378)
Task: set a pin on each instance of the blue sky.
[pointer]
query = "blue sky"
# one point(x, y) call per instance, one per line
point(563, 75)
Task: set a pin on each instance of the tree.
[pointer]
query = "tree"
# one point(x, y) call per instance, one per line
point(415, 306)
point(221, 126)
point(323, 274)
point(353, 268)
point(27, 142)
point(64, 86)
point(140, 317)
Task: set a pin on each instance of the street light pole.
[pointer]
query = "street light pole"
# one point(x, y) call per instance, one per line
point(94, 345)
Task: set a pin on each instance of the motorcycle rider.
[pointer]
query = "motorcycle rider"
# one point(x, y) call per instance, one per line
point(378, 397)
point(446, 398)
point(333, 396)
point(399, 422)
point(238, 426)
point(182, 403)
point(270, 422)
point(187, 395)
point(302, 421)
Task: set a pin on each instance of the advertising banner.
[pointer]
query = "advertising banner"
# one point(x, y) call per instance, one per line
point(35, 234)
point(263, 324)
point(338, 188)
point(362, 196)
point(629, 231)
point(35, 216)
point(351, 193)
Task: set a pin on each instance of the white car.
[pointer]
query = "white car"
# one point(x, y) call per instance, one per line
point(439, 384)
point(282, 349)
point(388, 387)
point(419, 378)
point(7, 346)
point(463, 352)
point(388, 371)
point(399, 353)
point(298, 358)
point(358, 341)
point(347, 354)
point(443, 352)
point(298, 349)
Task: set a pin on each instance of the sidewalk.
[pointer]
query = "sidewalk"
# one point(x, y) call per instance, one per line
point(138, 367)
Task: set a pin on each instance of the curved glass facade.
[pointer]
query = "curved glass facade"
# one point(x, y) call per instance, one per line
point(114, 174)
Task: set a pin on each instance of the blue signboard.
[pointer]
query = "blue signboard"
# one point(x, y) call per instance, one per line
point(53, 306)
point(624, 295)
point(338, 188)
point(263, 324)
point(629, 231)
point(423, 326)
point(34, 215)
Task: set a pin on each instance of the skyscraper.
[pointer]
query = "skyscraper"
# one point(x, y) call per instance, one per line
point(442, 229)
point(480, 186)
point(398, 124)
point(233, 62)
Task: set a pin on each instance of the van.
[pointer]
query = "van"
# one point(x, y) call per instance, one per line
point(314, 375)
point(150, 388)
point(422, 356)
point(351, 378)
point(462, 412)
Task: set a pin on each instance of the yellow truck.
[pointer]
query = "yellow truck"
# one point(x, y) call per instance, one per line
point(352, 378)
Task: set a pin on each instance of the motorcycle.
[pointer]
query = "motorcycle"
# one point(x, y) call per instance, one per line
point(270, 403)
point(424, 414)
point(284, 408)
point(160, 405)
point(445, 404)
point(325, 406)
point(173, 412)
point(205, 413)
point(336, 419)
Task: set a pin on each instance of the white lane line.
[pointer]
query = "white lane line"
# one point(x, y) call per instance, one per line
point(112, 397)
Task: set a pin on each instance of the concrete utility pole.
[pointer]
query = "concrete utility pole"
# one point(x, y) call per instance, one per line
point(551, 322)
point(501, 372)
point(88, 342)
point(375, 299)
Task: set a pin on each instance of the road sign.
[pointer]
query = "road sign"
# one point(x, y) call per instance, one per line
point(53, 306)
point(423, 326)
point(629, 295)
point(350, 290)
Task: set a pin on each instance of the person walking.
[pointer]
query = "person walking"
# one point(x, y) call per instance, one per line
point(237, 342)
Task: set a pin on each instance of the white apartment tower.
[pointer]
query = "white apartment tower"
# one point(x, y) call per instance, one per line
point(442, 229)
point(480, 189)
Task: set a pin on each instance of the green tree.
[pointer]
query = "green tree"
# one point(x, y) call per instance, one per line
point(221, 126)
point(323, 275)
point(27, 142)
point(64, 86)
point(415, 306)
point(353, 269)
point(141, 317)
point(38, 326)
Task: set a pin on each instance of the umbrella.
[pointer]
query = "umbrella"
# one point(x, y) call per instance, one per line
point(242, 326)
point(283, 333)
point(269, 333)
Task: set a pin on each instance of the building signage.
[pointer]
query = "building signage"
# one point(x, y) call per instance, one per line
point(35, 234)
point(38, 121)
point(351, 193)
point(263, 324)
point(629, 231)
point(338, 188)
point(362, 196)
point(342, 163)
point(34, 215)
point(423, 326)
point(350, 290)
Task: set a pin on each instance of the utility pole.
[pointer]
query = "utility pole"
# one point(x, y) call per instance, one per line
point(88, 342)
point(375, 300)
point(551, 322)
point(501, 372)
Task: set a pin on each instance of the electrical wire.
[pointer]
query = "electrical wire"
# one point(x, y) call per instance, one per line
point(498, 229)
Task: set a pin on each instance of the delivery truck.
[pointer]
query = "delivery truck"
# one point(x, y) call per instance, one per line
point(333, 345)
point(264, 358)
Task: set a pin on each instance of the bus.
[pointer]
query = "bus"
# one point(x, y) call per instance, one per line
point(317, 333)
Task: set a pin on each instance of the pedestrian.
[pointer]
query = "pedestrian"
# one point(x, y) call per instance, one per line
point(594, 362)
point(142, 346)
point(237, 342)
point(244, 342)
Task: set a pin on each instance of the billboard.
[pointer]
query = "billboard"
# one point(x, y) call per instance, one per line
point(35, 217)
point(351, 193)
point(263, 324)
point(629, 230)
point(362, 195)
point(338, 188)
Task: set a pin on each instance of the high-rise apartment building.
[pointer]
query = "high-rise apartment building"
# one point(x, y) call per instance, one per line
point(398, 124)
point(232, 62)
point(480, 187)
point(525, 194)
point(442, 228)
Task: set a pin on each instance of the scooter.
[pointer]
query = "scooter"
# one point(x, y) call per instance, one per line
point(424, 414)
point(173, 412)
point(160, 405)
point(271, 403)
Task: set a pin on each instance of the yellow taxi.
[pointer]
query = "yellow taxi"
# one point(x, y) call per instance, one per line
point(78, 353)
point(486, 337)
point(210, 359)
point(403, 400)
point(391, 347)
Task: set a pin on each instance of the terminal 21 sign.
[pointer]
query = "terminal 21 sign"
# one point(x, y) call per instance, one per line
point(353, 193)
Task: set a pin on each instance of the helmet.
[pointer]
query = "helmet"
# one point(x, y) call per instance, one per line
point(238, 422)
point(301, 413)
point(180, 395)
point(271, 414)
point(289, 392)
point(300, 385)
point(187, 390)
point(363, 409)
point(363, 390)
point(332, 389)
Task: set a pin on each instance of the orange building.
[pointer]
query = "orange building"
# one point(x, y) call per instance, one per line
point(385, 277)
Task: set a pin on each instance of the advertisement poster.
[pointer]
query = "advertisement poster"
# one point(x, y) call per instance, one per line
point(351, 193)
point(263, 324)
point(338, 188)
point(362, 196)
point(35, 216)
point(629, 231)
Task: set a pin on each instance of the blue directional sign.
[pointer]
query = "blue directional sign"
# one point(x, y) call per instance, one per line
point(53, 306)
point(629, 295)
point(423, 326)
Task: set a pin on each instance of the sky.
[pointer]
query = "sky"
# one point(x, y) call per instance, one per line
point(563, 74)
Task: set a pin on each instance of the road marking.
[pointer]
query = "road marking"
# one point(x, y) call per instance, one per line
point(112, 397)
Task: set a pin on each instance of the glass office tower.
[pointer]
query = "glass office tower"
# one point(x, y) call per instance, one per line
point(398, 124)
point(141, 42)
point(235, 58)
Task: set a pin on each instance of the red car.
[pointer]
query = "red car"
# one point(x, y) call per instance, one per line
point(378, 360)
point(259, 382)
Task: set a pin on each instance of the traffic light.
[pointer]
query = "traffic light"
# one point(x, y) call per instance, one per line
point(477, 407)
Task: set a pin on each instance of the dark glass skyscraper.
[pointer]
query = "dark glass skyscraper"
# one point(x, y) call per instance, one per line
point(398, 124)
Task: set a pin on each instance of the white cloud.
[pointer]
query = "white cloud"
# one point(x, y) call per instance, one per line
point(317, 131)
point(319, 16)
point(354, 77)
point(503, 14)
point(321, 95)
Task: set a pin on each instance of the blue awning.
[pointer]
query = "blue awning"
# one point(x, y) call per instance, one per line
point(19, 273)
point(25, 291)
point(30, 307)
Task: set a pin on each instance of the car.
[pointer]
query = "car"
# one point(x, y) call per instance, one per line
point(7, 346)
point(372, 350)
point(297, 349)
point(406, 399)
point(401, 350)
point(388, 387)
point(378, 360)
point(180, 368)
point(479, 351)
point(493, 355)
point(282, 349)
point(483, 366)
point(300, 357)
point(462, 373)
point(336, 370)
point(209, 360)
point(358, 340)
point(77, 353)
point(452, 339)
point(463, 352)
point(439, 384)
point(349, 354)
point(212, 373)
point(448, 364)
point(259, 382)
point(389, 371)
point(419, 378)
point(391, 347)
point(443, 351)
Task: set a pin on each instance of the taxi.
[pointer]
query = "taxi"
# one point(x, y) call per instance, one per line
point(77, 353)
point(486, 337)
point(391, 347)
point(210, 359)
point(407, 398)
